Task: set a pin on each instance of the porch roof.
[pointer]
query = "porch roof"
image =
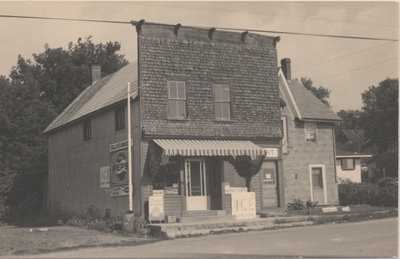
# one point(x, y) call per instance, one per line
point(183, 147)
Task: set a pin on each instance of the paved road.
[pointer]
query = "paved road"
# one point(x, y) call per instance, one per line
point(376, 238)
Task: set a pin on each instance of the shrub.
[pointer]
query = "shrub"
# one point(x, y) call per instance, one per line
point(382, 193)
point(296, 204)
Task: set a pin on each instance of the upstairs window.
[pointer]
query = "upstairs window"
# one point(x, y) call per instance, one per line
point(176, 100)
point(347, 164)
point(310, 130)
point(120, 118)
point(87, 129)
point(222, 102)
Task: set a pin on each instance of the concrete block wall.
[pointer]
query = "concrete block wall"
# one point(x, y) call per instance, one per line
point(301, 154)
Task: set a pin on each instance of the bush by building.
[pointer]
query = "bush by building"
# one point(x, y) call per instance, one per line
point(382, 193)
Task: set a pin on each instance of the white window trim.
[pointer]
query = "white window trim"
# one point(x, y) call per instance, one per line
point(176, 99)
point(305, 131)
point(310, 167)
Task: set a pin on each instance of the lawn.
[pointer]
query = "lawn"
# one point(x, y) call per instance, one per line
point(17, 240)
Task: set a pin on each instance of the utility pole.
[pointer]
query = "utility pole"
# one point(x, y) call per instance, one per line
point(130, 149)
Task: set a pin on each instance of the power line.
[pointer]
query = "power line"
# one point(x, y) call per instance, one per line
point(343, 56)
point(358, 68)
point(61, 19)
point(221, 28)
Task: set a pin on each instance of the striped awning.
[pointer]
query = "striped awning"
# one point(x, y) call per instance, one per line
point(174, 147)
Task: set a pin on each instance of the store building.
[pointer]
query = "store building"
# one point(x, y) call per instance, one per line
point(202, 98)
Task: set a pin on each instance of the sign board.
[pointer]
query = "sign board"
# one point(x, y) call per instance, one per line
point(119, 168)
point(119, 145)
point(156, 208)
point(158, 192)
point(329, 209)
point(119, 191)
point(243, 205)
point(105, 177)
point(170, 191)
point(271, 152)
point(229, 189)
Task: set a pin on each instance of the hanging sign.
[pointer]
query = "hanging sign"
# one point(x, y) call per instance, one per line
point(105, 177)
point(271, 152)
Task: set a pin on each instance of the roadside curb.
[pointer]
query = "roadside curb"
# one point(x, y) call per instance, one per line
point(176, 230)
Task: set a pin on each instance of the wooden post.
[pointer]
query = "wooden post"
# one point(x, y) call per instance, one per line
point(130, 149)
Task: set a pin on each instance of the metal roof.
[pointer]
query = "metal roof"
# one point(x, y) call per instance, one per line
point(174, 147)
point(310, 107)
point(105, 92)
point(350, 154)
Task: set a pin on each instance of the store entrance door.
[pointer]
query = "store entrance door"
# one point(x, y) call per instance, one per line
point(195, 179)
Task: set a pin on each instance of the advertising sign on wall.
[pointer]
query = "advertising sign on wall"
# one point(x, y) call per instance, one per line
point(119, 170)
point(105, 177)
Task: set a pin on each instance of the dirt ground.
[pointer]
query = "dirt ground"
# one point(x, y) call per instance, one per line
point(17, 240)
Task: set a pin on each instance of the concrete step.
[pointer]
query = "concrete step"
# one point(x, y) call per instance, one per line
point(182, 229)
point(205, 219)
point(200, 213)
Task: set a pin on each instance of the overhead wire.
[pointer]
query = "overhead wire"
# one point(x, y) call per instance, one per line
point(221, 28)
point(358, 68)
point(343, 56)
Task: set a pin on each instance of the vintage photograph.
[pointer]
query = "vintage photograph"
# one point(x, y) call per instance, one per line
point(199, 129)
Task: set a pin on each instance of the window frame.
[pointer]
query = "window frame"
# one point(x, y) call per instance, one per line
point(229, 101)
point(87, 129)
point(314, 124)
point(177, 99)
point(347, 169)
point(322, 166)
point(119, 119)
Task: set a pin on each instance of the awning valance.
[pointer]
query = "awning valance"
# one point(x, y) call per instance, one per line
point(174, 147)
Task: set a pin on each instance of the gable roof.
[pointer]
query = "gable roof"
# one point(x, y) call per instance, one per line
point(105, 92)
point(307, 105)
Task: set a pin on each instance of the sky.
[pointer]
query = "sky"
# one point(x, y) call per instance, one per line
point(347, 67)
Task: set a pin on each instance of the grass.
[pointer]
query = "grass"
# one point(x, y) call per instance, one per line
point(19, 240)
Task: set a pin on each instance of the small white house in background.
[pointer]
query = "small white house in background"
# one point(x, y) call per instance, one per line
point(349, 165)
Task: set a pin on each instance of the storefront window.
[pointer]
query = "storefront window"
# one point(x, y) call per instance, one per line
point(167, 178)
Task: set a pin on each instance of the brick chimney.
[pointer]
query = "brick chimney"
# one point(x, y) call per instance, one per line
point(96, 73)
point(285, 65)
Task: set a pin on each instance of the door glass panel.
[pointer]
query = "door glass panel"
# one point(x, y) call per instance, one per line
point(317, 177)
point(195, 179)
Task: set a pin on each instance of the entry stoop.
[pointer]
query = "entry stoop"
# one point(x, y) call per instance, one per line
point(204, 216)
point(224, 224)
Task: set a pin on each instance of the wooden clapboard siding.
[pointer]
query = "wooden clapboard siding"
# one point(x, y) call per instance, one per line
point(255, 186)
point(74, 166)
point(173, 205)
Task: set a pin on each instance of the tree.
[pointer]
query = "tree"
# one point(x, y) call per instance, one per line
point(321, 93)
point(246, 167)
point(380, 113)
point(380, 121)
point(33, 96)
point(349, 132)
